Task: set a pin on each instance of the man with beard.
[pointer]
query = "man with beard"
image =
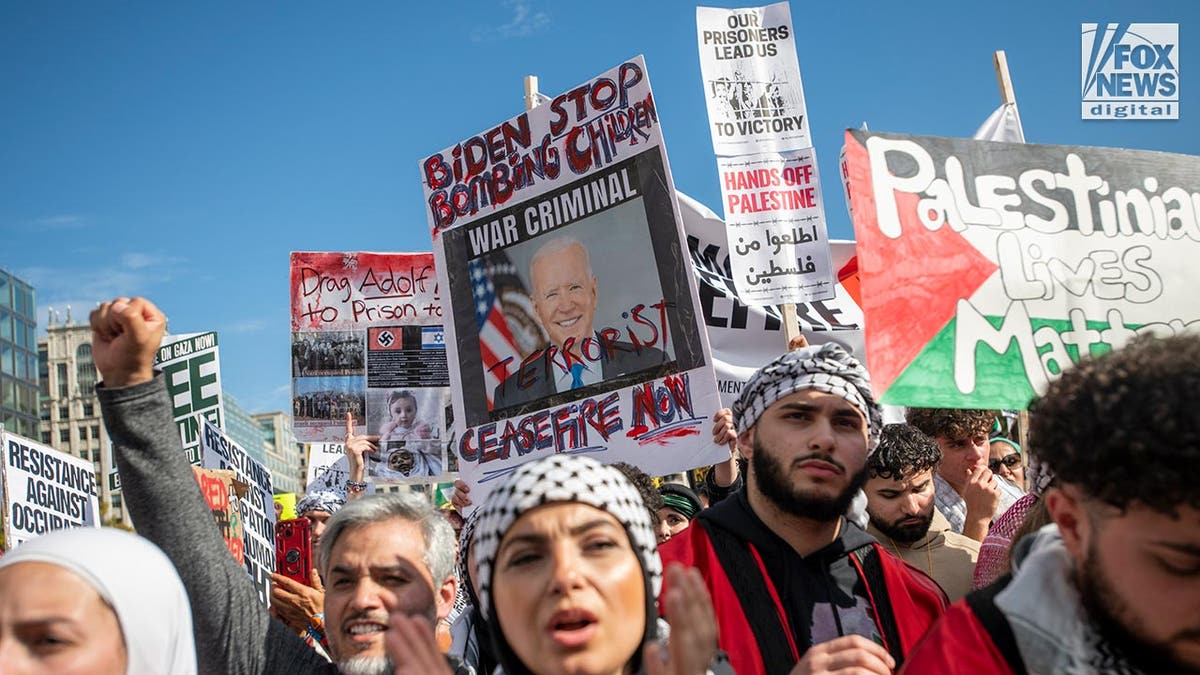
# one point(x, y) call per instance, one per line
point(793, 582)
point(1113, 585)
point(903, 518)
point(387, 560)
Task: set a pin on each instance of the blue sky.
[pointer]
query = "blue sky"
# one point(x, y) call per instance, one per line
point(181, 150)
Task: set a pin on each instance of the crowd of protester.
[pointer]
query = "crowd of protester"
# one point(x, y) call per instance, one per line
point(829, 542)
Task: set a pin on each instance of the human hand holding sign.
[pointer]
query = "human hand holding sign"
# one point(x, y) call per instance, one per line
point(126, 334)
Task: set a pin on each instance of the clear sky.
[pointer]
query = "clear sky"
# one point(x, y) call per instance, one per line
point(181, 150)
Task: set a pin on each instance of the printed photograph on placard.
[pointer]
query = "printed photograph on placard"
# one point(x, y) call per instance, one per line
point(318, 403)
point(411, 460)
point(586, 304)
point(322, 354)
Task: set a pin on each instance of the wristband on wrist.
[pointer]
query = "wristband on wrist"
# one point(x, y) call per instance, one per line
point(316, 627)
point(355, 486)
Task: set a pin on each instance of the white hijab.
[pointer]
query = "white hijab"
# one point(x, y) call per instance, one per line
point(137, 581)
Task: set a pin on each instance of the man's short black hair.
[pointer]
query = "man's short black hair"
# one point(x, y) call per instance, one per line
point(903, 451)
point(1124, 427)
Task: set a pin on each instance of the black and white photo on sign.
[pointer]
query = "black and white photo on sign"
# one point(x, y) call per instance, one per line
point(327, 353)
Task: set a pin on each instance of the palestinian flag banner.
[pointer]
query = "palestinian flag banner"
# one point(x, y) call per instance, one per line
point(989, 268)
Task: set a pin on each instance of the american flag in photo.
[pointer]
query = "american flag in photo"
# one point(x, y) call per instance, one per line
point(495, 339)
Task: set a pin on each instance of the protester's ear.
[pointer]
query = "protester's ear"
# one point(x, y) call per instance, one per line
point(745, 442)
point(445, 597)
point(1066, 508)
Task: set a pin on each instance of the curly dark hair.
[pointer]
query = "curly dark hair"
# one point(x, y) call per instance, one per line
point(1124, 426)
point(951, 423)
point(645, 487)
point(903, 451)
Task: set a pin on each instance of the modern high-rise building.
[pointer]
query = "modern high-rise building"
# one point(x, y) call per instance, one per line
point(282, 452)
point(18, 357)
point(69, 408)
point(243, 428)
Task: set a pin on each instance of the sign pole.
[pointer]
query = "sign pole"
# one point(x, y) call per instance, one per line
point(1007, 96)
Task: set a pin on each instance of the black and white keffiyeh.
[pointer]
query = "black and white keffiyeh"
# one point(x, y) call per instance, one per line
point(328, 500)
point(564, 478)
point(827, 368)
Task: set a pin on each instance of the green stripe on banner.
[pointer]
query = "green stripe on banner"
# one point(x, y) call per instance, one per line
point(1000, 379)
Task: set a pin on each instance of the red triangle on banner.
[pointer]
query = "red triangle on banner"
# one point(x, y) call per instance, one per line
point(911, 284)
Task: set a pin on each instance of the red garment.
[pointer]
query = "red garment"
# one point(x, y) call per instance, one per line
point(958, 643)
point(916, 600)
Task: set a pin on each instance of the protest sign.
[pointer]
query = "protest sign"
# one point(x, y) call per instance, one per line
point(745, 336)
point(43, 490)
point(257, 509)
point(752, 84)
point(775, 222)
point(367, 340)
point(191, 366)
point(223, 492)
point(571, 308)
point(328, 468)
point(990, 268)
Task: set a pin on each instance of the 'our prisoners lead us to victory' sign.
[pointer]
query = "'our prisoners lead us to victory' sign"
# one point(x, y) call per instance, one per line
point(989, 268)
point(571, 307)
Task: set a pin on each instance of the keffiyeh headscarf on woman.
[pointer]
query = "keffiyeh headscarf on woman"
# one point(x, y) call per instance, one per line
point(134, 578)
point(827, 368)
point(563, 479)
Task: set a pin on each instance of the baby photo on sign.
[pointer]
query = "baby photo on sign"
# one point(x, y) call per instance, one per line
point(409, 424)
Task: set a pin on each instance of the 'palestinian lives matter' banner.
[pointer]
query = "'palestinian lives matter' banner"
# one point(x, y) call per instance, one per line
point(572, 310)
point(989, 268)
point(256, 509)
point(43, 490)
point(367, 340)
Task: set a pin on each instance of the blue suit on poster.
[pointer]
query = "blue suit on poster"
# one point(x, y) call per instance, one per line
point(564, 295)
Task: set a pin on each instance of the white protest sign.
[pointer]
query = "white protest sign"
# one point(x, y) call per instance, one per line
point(775, 222)
point(744, 336)
point(571, 309)
point(257, 509)
point(752, 84)
point(328, 467)
point(44, 490)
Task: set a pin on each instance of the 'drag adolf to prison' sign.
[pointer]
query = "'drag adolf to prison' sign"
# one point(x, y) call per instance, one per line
point(989, 268)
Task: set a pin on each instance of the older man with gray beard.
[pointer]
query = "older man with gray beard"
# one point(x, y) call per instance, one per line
point(385, 559)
